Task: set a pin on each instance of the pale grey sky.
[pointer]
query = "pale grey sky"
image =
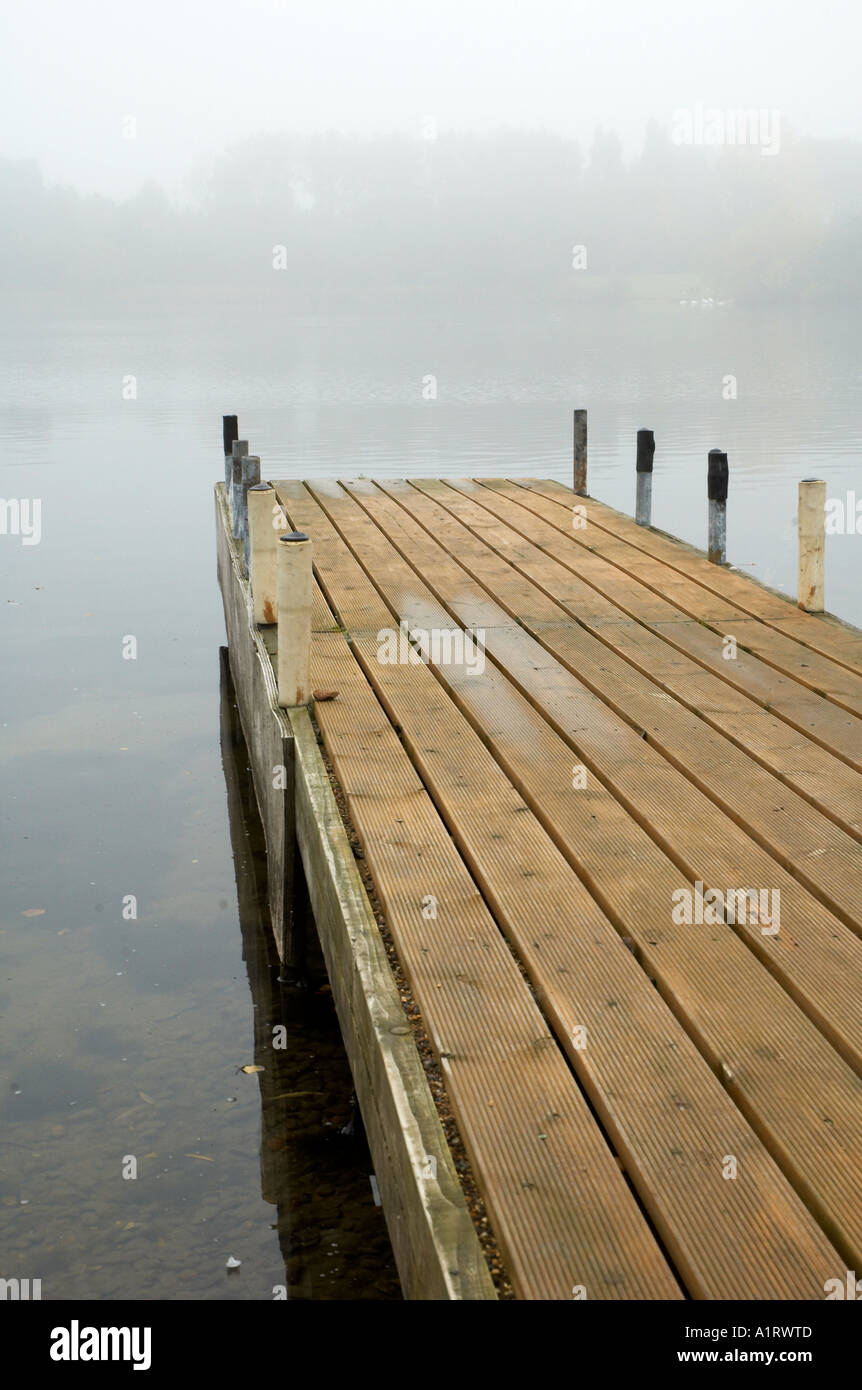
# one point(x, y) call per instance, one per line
point(199, 74)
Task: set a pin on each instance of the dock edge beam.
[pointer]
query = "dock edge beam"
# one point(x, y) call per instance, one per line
point(434, 1241)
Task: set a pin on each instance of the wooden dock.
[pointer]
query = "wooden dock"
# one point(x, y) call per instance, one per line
point(610, 797)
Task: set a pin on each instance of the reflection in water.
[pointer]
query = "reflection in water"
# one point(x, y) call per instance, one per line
point(332, 1237)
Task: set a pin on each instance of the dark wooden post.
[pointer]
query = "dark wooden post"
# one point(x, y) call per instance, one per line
point(230, 432)
point(239, 451)
point(717, 475)
point(580, 453)
point(249, 477)
point(643, 467)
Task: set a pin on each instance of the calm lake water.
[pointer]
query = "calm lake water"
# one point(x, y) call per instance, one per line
point(122, 1036)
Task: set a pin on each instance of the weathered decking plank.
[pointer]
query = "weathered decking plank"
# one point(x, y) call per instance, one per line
point(819, 673)
point(815, 957)
point(588, 1038)
point(810, 847)
point(469, 790)
point(433, 1239)
point(812, 713)
point(551, 1183)
point(824, 780)
point(717, 989)
point(822, 633)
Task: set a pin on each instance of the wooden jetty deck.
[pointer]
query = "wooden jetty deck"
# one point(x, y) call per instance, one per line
point(657, 1085)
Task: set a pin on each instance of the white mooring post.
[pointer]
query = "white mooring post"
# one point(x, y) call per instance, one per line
point(579, 472)
point(717, 475)
point(294, 619)
point(263, 553)
point(811, 587)
point(643, 468)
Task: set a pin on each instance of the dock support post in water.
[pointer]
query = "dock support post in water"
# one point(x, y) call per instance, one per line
point(580, 453)
point(250, 476)
point(263, 553)
point(811, 587)
point(230, 432)
point(716, 491)
point(239, 449)
point(643, 468)
point(294, 619)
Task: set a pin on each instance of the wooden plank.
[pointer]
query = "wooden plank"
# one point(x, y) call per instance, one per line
point(823, 633)
point(433, 1239)
point(805, 843)
point(562, 1194)
point(826, 677)
point(703, 976)
point(636, 1074)
point(816, 718)
point(815, 957)
point(829, 784)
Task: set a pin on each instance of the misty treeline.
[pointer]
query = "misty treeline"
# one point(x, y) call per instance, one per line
point(329, 218)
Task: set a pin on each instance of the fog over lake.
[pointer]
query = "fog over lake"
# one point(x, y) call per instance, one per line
point(397, 243)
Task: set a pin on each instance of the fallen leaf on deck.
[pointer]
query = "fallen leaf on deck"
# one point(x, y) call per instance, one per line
point(324, 694)
point(143, 1095)
point(205, 1158)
